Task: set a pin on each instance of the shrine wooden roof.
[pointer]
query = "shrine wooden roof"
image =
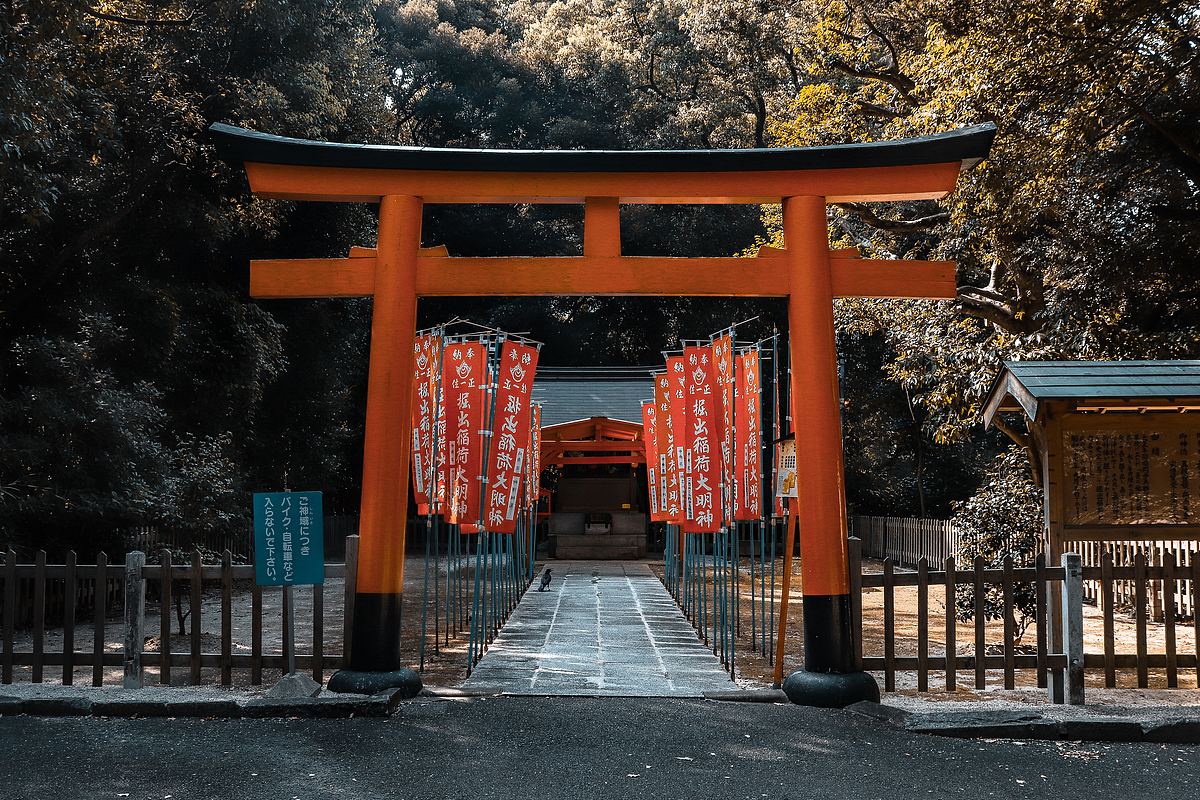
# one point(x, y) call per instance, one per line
point(576, 394)
point(1027, 385)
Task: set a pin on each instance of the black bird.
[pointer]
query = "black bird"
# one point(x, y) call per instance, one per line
point(545, 580)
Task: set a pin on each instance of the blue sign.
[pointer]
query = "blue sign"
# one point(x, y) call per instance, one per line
point(289, 540)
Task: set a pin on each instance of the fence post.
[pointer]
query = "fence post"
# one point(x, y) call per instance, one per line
point(10, 613)
point(855, 548)
point(351, 588)
point(1072, 603)
point(135, 618)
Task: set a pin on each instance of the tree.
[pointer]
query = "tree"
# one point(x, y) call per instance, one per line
point(1002, 520)
point(132, 367)
point(1090, 173)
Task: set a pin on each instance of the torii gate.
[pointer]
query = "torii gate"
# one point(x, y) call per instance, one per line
point(398, 271)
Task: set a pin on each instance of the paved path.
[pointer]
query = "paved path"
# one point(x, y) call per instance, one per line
point(603, 628)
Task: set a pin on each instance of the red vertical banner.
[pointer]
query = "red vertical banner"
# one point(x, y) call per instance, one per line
point(748, 438)
point(677, 398)
point(664, 449)
point(464, 382)
point(535, 459)
point(424, 419)
point(776, 429)
point(509, 451)
point(650, 441)
point(724, 379)
point(702, 498)
point(441, 467)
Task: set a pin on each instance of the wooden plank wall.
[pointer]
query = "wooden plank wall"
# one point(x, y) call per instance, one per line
point(906, 540)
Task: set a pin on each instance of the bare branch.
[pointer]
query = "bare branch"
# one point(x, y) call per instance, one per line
point(901, 83)
point(1004, 315)
point(986, 294)
point(147, 22)
point(890, 74)
point(880, 111)
point(865, 213)
point(894, 63)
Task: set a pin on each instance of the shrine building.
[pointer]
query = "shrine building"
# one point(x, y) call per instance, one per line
point(595, 501)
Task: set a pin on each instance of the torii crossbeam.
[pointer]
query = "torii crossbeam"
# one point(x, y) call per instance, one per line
point(806, 272)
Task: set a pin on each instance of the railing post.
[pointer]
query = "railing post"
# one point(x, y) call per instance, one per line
point(135, 618)
point(1072, 603)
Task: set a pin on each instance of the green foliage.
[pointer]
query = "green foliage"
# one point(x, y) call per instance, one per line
point(1092, 175)
point(138, 384)
point(1003, 519)
point(133, 370)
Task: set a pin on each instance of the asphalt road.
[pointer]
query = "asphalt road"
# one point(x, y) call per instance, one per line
point(564, 748)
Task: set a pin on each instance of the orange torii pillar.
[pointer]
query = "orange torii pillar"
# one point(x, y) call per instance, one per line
point(830, 675)
point(386, 455)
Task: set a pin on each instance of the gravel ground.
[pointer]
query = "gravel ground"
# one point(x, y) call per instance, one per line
point(149, 693)
point(1140, 704)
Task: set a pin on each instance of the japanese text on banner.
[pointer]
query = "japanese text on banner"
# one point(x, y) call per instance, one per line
point(677, 398)
point(724, 390)
point(535, 457)
point(650, 438)
point(748, 449)
point(426, 350)
point(702, 499)
point(464, 384)
point(509, 448)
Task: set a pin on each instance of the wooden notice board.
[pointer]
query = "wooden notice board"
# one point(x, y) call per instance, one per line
point(1129, 476)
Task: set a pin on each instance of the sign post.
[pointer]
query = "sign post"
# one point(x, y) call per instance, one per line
point(289, 549)
point(785, 488)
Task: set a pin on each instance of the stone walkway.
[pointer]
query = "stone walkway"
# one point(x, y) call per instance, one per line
point(603, 628)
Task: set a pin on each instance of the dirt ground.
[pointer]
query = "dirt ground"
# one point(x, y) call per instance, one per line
point(755, 669)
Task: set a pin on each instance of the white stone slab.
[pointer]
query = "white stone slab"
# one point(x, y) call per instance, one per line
point(603, 628)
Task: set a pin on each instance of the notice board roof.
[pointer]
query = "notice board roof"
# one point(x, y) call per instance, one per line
point(1026, 385)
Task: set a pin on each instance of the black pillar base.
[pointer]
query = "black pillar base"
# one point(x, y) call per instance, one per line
point(375, 642)
point(355, 682)
point(830, 689)
point(828, 642)
point(375, 661)
point(831, 677)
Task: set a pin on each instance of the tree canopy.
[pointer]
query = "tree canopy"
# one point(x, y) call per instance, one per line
point(139, 383)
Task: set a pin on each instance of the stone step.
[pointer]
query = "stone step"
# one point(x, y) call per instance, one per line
point(584, 553)
point(600, 546)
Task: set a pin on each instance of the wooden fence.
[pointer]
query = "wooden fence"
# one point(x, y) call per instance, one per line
point(1007, 656)
point(1183, 553)
point(949, 577)
point(55, 602)
point(906, 540)
point(190, 580)
point(1143, 579)
point(152, 538)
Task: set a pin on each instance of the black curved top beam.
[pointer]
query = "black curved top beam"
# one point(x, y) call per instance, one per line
point(965, 145)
